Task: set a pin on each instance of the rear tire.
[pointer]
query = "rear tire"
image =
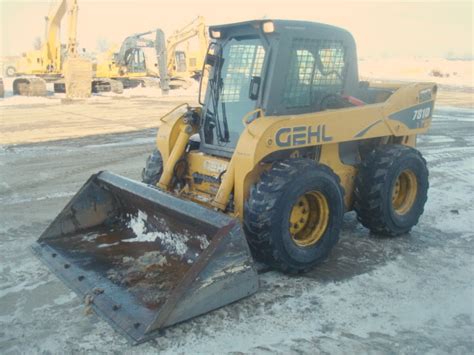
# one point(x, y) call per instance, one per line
point(391, 189)
point(153, 169)
point(279, 229)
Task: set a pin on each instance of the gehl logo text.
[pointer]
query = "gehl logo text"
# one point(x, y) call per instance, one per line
point(301, 135)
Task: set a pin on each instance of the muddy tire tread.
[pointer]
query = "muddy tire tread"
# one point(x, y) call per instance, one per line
point(369, 188)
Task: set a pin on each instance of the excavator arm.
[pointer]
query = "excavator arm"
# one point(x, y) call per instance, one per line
point(196, 28)
point(52, 47)
point(72, 28)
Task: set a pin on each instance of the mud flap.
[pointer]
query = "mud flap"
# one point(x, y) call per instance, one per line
point(144, 259)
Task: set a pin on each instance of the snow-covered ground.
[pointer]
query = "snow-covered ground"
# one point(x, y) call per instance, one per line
point(411, 294)
point(439, 70)
point(453, 73)
point(55, 98)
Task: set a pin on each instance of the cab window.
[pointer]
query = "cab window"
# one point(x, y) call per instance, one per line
point(316, 69)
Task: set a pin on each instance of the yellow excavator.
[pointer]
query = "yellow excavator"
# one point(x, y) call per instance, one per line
point(46, 65)
point(36, 68)
point(139, 61)
point(188, 61)
point(285, 141)
point(155, 61)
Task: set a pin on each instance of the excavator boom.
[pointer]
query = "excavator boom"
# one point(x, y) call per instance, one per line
point(195, 28)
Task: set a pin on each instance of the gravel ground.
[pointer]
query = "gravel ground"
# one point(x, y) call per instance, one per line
point(411, 294)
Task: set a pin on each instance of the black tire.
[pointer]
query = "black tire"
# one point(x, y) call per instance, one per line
point(268, 208)
point(376, 182)
point(153, 169)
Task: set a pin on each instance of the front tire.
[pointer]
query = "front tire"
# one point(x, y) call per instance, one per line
point(153, 169)
point(391, 190)
point(293, 215)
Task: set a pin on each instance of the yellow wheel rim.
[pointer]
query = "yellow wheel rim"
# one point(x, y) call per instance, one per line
point(309, 218)
point(404, 192)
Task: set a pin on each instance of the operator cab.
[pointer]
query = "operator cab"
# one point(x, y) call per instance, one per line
point(281, 67)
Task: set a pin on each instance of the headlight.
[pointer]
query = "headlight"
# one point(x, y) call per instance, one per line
point(215, 34)
point(268, 27)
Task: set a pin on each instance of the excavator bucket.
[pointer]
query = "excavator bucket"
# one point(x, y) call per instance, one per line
point(144, 259)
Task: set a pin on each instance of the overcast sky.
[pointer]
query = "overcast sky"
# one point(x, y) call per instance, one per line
point(381, 28)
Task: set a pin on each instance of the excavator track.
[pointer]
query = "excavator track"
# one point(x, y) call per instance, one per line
point(29, 86)
point(106, 85)
point(180, 83)
point(98, 86)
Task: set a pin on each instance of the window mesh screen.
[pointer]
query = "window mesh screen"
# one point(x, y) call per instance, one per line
point(316, 69)
point(244, 61)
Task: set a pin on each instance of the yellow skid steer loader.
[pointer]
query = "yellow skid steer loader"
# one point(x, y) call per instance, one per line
point(285, 141)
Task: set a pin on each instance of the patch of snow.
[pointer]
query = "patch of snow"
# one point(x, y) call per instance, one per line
point(65, 298)
point(450, 113)
point(432, 139)
point(162, 261)
point(53, 98)
point(14, 201)
point(173, 242)
point(105, 245)
point(90, 237)
point(204, 243)
point(232, 269)
point(137, 224)
point(149, 92)
point(28, 100)
point(441, 71)
point(21, 287)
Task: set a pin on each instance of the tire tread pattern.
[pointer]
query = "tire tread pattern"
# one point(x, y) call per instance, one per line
point(261, 203)
point(153, 169)
point(369, 192)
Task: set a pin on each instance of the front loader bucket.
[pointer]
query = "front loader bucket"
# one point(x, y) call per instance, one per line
point(144, 259)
